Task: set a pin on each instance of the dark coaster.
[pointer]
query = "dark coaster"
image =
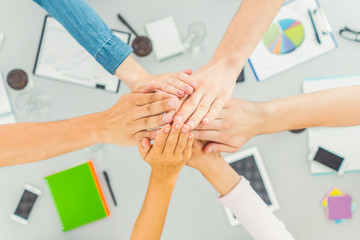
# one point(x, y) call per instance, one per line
point(298, 130)
point(142, 46)
point(17, 79)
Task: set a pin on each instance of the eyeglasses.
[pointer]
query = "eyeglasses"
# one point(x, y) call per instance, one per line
point(349, 34)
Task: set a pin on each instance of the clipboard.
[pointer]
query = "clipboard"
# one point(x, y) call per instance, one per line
point(60, 57)
point(273, 57)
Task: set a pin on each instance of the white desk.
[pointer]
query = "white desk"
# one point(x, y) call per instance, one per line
point(194, 212)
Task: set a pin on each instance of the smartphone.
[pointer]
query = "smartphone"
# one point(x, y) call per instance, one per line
point(26, 204)
point(328, 158)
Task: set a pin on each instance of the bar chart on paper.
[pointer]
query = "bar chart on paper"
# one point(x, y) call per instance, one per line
point(284, 36)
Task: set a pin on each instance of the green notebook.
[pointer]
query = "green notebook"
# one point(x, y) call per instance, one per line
point(78, 196)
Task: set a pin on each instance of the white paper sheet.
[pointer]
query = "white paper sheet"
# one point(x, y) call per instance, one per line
point(345, 140)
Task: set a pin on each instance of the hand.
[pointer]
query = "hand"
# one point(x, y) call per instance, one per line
point(214, 168)
point(239, 121)
point(130, 119)
point(178, 84)
point(215, 84)
point(170, 151)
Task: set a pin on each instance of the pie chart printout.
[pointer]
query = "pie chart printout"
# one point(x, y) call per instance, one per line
point(284, 36)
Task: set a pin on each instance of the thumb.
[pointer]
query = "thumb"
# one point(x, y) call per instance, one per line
point(144, 147)
point(218, 147)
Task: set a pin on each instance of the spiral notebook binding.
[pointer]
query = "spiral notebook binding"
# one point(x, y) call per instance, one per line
point(57, 210)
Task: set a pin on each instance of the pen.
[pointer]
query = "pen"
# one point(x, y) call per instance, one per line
point(109, 186)
point(313, 24)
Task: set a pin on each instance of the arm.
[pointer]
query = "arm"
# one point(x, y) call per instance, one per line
point(216, 79)
point(240, 120)
point(125, 124)
point(237, 194)
point(170, 152)
point(86, 26)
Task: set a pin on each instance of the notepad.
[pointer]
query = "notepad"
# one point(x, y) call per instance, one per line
point(165, 38)
point(6, 113)
point(342, 140)
point(78, 196)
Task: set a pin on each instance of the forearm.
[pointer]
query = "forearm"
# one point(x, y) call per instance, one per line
point(246, 30)
point(150, 222)
point(30, 142)
point(331, 108)
point(218, 173)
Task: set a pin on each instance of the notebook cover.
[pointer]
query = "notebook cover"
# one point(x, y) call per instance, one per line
point(78, 196)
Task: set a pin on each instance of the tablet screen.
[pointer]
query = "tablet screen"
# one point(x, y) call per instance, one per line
point(248, 168)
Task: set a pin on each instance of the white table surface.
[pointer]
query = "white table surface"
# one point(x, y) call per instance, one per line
point(194, 212)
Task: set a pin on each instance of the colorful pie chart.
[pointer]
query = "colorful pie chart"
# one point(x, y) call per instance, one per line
point(284, 36)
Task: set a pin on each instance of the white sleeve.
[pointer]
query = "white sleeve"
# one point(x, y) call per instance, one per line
point(254, 214)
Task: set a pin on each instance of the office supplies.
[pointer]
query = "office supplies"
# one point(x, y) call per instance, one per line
point(339, 207)
point(335, 192)
point(249, 164)
point(340, 140)
point(6, 111)
point(350, 34)
point(109, 186)
point(2, 37)
point(78, 196)
point(26, 204)
point(17, 79)
point(328, 158)
point(314, 27)
point(60, 57)
point(165, 38)
point(142, 45)
point(297, 130)
point(290, 40)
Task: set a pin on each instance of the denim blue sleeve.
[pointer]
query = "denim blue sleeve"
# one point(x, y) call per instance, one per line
point(86, 26)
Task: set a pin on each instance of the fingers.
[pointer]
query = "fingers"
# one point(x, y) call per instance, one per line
point(160, 140)
point(144, 147)
point(201, 110)
point(151, 135)
point(188, 149)
point(208, 135)
point(214, 111)
point(182, 141)
point(142, 99)
point(157, 107)
point(188, 71)
point(173, 138)
point(218, 147)
point(185, 77)
point(188, 107)
point(152, 122)
point(181, 86)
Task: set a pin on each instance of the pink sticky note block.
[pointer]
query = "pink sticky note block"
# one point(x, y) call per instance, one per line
point(339, 207)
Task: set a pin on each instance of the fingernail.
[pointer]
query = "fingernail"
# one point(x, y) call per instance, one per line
point(143, 143)
point(166, 129)
point(191, 123)
point(188, 89)
point(177, 126)
point(191, 135)
point(193, 83)
point(180, 92)
point(172, 102)
point(206, 119)
point(178, 118)
point(209, 150)
point(166, 118)
point(185, 129)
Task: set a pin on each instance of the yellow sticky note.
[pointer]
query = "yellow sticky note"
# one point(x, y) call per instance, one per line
point(333, 192)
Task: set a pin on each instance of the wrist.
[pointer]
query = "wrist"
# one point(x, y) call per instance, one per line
point(93, 125)
point(164, 178)
point(130, 72)
point(230, 62)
